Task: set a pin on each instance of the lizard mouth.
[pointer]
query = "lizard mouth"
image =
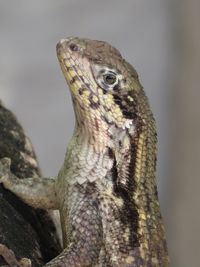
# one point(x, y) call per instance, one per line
point(77, 70)
point(66, 59)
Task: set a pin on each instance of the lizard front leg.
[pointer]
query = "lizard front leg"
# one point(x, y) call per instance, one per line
point(36, 192)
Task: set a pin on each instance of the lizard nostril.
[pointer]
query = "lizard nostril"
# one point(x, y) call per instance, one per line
point(73, 47)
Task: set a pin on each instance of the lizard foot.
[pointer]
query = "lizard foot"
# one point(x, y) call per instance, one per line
point(10, 258)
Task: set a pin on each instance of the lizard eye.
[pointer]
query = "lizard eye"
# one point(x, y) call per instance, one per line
point(110, 78)
point(107, 79)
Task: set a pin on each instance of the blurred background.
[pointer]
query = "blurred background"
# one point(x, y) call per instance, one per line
point(161, 39)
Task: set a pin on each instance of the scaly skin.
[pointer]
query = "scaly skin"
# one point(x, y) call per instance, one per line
point(106, 189)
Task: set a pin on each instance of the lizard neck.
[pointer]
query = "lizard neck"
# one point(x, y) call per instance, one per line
point(87, 157)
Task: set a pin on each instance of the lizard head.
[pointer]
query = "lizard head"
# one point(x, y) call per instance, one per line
point(104, 87)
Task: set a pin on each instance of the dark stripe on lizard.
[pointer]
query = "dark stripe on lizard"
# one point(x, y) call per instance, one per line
point(128, 214)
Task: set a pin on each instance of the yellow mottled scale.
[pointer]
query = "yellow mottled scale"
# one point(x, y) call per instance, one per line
point(139, 170)
point(100, 92)
point(108, 100)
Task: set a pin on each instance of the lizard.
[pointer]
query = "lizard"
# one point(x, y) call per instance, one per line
point(106, 189)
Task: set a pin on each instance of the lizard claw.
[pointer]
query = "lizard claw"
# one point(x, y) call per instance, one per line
point(10, 258)
point(4, 178)
point(24, 262)
point(6, 162)
point(4, 169)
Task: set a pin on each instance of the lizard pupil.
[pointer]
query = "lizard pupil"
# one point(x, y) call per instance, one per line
point(109, 79)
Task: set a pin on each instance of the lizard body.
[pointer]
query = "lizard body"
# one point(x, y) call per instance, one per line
point(106, 189)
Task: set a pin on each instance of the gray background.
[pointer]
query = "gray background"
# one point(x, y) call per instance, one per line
point(32, 85)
